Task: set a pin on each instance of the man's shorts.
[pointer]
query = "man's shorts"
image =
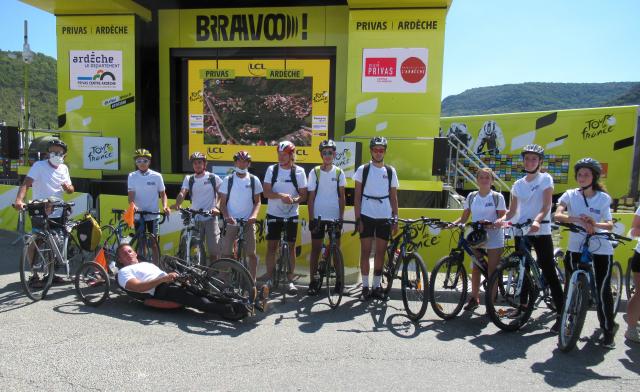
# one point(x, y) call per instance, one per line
point(210, 233)
point(635, 262)
point(150, 226)
point(274, 229)
point(231, 235)
point(378, 228)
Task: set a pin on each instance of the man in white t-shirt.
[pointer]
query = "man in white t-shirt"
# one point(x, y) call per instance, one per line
point(145, 187)
point(285, 186)
point(326, 201)
point(149, 280)
point(633, 306)
point(376, 206)
point(240, 200)
point(203, 188)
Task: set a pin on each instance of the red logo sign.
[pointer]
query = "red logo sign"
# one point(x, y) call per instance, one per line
point(380, 66)
point(413, 70)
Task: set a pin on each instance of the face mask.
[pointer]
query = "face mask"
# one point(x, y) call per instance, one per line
point(240, 171)
point(56, 160)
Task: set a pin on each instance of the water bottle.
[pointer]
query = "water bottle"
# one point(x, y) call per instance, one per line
point(324, 251)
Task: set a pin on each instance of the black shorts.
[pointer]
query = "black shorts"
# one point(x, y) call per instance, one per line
point(635, 262)
point(274, 229)
point(378, 228)
point(319, 232)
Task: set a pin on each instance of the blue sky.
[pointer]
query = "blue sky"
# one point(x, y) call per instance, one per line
point(487, 42)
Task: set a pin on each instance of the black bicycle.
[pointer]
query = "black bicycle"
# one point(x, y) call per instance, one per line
point(414, 281)
point(117, 231)
point(283, 267)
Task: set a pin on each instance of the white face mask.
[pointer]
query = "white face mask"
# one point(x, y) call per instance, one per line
point(240, 171)
point(56, 159)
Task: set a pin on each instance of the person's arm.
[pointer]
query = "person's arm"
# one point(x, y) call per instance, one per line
point(138, 286)
point(165, 205)
point(310, 203)
point(547, 201)
point(342, 200)
point(562, 215)
point(67, 186)
point(256, 208)
point(513, 208)
point(302, 196)
point(180, 198)
point(463, 218)
point(357, 203)
point(635, 226)
point(22, 191)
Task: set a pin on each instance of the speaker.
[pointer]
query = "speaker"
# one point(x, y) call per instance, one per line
point(440, 156)
point(10, 142)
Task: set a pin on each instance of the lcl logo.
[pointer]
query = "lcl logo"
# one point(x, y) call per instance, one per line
point(257, 69)
point(215, 150)
point(302, 152)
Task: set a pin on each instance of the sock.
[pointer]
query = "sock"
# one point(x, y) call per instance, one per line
point(376, 281)
point(365, 280)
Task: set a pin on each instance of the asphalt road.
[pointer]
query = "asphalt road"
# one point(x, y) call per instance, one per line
point(60, 344)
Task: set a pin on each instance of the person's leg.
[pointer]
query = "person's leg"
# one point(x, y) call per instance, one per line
point(210, 233)
point(250, 249)
point(493, 258)
point(602, 269)
point(316, 246)
point(381, 235)
point(171, 292)
point(152, 227)
point(543, 245)
point(633, 306)
point(273, 238)
point(291, 236)
point(227, 240)
point(475, 278)
point(570, 265)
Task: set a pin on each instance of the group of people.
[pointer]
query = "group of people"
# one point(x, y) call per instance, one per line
point(286, 185)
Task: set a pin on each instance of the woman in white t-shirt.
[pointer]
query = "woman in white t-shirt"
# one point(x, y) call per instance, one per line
point(482, 207)
point(531, 200)
point(633, 306)
point(589, 207)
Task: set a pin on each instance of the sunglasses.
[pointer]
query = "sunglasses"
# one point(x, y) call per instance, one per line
point(378, 150)
point(142, 160)
point(327, 153)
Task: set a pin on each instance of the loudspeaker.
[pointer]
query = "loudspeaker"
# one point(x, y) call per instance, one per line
point(440, 156)
point(10, 142)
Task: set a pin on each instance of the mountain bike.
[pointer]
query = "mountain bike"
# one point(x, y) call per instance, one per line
point(283, 266)
point(582, 292)
point(414, 281)
point(191, 248)
point(118, 232)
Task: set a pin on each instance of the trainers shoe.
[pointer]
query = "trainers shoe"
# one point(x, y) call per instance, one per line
point(608, 340)
point(314, 287)
point(292, 289)
point(365, 294)
point(632, 335)
point(378, 293)
point(513, 313)
point(35, 282)
point(472, 305)
point(555, 328)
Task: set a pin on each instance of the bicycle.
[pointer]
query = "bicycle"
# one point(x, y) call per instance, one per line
point(414, 279)
point(331, 263)
point(51, 246)
point(118, 232)
point(191, 248)
point(582, 292)
point(521, 284)
point(449, 278)
point(238, 255)
point(283, 268)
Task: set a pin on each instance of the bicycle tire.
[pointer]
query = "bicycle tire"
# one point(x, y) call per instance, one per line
point(144, 248)
point(335, 278)
point(75, 254)
point(415, 286)
point(616, 286)
point(630, 285)
point(389, 273)
point(44, 264)
point(111, 242)
point(573, 315)
point(237, 284)
point(448, 287)
point(499, 306)
point(92, 283)
point(196, 251)
point(280, 269)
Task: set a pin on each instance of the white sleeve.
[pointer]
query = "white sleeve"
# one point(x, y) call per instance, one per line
point(301, 177)
point(502, 205)
point(357, 176)
point(465, 204)
point(34, 172)
point(311, 184)
point(130, 184)
point(268, 175)
point(606, 211)
point(342, 181)
point(258, 186)
point(395, 183)
point(548, 182)
point(161, 187)
point(564, 199)
point(638, 211)
point(224, 185)
point(185, 183)
point(67, 178)
point(218, 181)
point(124, 275)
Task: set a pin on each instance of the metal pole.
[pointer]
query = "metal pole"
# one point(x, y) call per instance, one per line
point(635, 171)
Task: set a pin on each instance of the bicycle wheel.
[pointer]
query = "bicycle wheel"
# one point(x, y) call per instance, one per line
point(36, 276)
point(280, 269)
point(414, 286)
point(234, 282)
point(388, 275)
point(196, 251)
point(75, 254)
point(507, 308)
point(110, 243)
point(630, 283)
point(573, 314)
point(335, 278)
point(92, 283)
point(616, 286)
point(145, 246)
point(448, 287)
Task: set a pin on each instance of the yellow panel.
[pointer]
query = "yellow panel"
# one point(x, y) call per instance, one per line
point(91, 7)
point(399, 4)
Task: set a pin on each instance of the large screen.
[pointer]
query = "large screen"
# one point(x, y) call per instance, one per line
point(254, 104)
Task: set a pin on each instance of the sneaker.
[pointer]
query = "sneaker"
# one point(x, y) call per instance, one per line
point(608, 340)
point(292, 290)
point(378, 293)
point(472, 305)
point(632, 335)
point(555, 328)
point(365, 294)
point(35, 282)
point(314, 288)
point(513, 313)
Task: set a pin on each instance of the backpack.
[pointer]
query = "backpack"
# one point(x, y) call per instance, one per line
point(365, 175)
point(338, 174)
point(293, 180)
point(212, 180)
point(253, 185)
point(88, 233)
point(494, 194)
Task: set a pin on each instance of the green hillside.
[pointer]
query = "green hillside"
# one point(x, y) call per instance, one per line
point(42, 87)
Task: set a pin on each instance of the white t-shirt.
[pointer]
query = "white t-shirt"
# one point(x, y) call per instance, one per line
point(530, 200)
point(47, 180)
point(142, 271)
point(638, 245)
point(326, 203)
point(203, 196)
point(240, 202)
point(484, 209)
point(277, 207)
point(146, 186)
point(378, 186)
point(599, 209)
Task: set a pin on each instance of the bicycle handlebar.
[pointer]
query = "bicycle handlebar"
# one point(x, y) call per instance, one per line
point(197, 212)
point(281, 220)
point(579, 229)
point(157, 213)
